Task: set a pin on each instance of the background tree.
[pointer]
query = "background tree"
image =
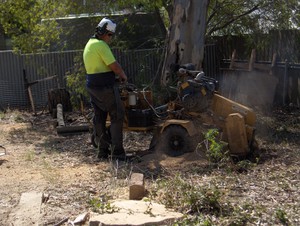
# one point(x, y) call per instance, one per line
point(226, 17)
point(239, 17)
point(30, 23)
point(32, 28)
point(186, 36)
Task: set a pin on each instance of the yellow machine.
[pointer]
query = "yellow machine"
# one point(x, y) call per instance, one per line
point(180, 124)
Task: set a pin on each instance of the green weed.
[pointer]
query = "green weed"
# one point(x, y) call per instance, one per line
point(2, 115)
point(189, 198)
point(193, 220)
point(50, 173)
point(282, 217)
point(242, 215)
point(29, 155)
point(100, 205)
point(12, 115)
point(215, 148)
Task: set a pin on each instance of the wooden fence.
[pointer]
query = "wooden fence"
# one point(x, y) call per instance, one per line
point(260, 83)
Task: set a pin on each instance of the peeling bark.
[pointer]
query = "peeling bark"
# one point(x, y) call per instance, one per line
point(186, 36)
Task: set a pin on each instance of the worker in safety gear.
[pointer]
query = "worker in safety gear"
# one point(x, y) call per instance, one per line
point(103, 72)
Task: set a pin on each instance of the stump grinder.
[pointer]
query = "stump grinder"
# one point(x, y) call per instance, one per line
point(178, 126)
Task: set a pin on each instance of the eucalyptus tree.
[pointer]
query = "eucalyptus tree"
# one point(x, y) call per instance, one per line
point(31, 26)
point(235, 17)
point(186, 37)
point(30, 23)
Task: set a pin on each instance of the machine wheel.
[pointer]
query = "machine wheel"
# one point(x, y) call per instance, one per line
point(175, 141)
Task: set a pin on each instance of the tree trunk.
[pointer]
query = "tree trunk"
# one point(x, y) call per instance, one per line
point(59, 96)
point(186, 36)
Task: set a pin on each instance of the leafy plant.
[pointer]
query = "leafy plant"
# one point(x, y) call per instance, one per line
point(193, 220)
point(189, 198)
point(29, 25)
point(12, 115)
point(282, 217)
point(100, 205)
point(241, 215)
point(29, 156)
point(215, 149)
point(76, 81)
point(245, 164)
point(2, 115)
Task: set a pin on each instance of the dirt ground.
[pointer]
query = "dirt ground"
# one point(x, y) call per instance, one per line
point(66, 170)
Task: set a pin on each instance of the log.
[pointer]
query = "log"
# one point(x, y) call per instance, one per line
point(68, 130)
point(60, 115)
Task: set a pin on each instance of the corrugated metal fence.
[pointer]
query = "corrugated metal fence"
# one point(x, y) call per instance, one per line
point(11, 81)
point(140, 65)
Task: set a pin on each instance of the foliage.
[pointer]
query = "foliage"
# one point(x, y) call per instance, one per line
point(76, 81)
point(29, 23)
point(14, 115)
point(215, 149)
point(2, 115)
point(240, 17)
point(99, 205)
point(281, 216)
point(193, 220)
point(189, 198)
point(31, 26)
point(242, 214)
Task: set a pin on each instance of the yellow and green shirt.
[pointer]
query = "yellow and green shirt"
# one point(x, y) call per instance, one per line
point(97, 56)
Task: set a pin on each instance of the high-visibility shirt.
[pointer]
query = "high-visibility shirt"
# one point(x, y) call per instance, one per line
point(97, 56)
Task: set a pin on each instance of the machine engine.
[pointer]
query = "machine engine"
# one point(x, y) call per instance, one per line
point(196, 93)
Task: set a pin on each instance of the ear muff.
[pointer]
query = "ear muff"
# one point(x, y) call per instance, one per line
point(102, 30)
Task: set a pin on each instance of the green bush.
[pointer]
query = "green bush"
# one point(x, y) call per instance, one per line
point(76, 81)
point(216, 151)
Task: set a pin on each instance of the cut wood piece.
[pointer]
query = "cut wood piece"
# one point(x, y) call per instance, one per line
point(60, 115)
point(137, 186)
point(72, 129)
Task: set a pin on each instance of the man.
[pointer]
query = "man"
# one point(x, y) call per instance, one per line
point(102, 70)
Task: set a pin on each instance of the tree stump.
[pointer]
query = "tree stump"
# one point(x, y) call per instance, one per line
point(59, 96)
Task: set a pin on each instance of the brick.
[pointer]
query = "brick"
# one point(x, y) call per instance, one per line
point(136, 186)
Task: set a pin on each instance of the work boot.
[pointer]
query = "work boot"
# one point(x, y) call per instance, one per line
point(102, 153)
point(119, 155)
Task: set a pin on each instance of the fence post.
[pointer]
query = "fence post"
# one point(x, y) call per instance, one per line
point(285, 79)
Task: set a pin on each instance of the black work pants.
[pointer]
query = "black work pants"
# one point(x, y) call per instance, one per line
point(107, 101)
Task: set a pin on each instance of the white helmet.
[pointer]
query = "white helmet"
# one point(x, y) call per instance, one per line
point(106, 25)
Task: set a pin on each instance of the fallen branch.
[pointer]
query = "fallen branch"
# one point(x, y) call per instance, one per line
point(61, 222)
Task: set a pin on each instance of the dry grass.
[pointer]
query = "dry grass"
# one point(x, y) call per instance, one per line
point(261, 192)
